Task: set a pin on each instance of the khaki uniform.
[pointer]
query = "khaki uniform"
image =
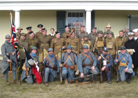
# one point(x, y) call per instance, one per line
point(86, 42)
point(74, 43)
point(80, 35)
point(57, 44)
point(44, 44)
point(106, 33)
point(98, 44)
point(27, 36)
point(52, 37)
point(66, 35)
point(92, 36)
point(18, 35)
point(38, 34)
point(120, 41)
point(21, 44)
point(32, 42)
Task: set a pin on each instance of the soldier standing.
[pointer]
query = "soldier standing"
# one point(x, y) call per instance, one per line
point(120, 40)
point(86, 42)
point(107, 64)
point(74, 42)
point(126, 32)
point(125, 65)
point(51, 66)
point(81, 33)
point(57, 44)
point(18, 34)
point(67, 33)
point(108, 27)
point(52, 35)
point(9, 59)
point(69, 59)
point(40, 26)
point(93, 34)
point(29, 29)
point(22, 43)
point(32, 41)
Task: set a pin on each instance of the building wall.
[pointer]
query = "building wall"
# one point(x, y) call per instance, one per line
point(117, 19)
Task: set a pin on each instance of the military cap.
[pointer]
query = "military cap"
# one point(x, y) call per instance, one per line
point(126, 28)
point(135, 30)
point(7, 37)
point(56, 32)
point(43, 28)
point(19, 28)
point(72, 31)
point(31, 32)
point(94, 27)
point(34, 48)
point(100, 31)
point(105, 49)
point(66, 26)
point(23, 34)
point(68, 47)
point(85, 47)
point(86, 35)
point(50, 49)
point(121, 31)
point(109, 32)
point(130, 34)
point(108, 25)
point(39, 25)
point(122, 48)
point(29, 28)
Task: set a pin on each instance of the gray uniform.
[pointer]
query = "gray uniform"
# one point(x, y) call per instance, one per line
point(6, 49)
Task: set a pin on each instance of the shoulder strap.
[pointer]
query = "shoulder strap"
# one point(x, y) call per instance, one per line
point(79, 33)
point(96, 39)
point(51, 62)
point(87, 56)
point(82, 42)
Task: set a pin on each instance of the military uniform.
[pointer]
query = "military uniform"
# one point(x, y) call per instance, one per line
point(86, 61)
point(86, 42)
point(106, 32)
point(125, 61)
point(57, 44)
point(69, 59)
point(66, 35)
point(18, 34)
point(92, 35)
point(27, 35)
point(51, 66)
point(6, 50)
point(81, 34)
point(52, 36)
point(39, 32)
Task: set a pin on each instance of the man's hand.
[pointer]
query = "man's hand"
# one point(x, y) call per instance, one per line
point(116, 60)
point(82, 75)
point(99, 58)
point(126, 69)
point(93, 68)
point(61, 65)
point(103, 68)
point(8, 60)
point(105, 35)
point(12, 53)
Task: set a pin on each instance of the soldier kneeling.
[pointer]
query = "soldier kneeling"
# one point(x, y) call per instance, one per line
point(51, 67)
point(125, 65)
point(107, 64)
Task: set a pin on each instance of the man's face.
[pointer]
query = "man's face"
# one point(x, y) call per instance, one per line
point(28, 31)
point(108, 28)
point(73, 34)
point(52, 31)
point(85, 50)
point(19, 31)
point(110, 35)
point(67, 29)
point(94, 30)
point(82, 28)
point(32, 35)
point(68, 50)
point(44, 32)
point(130, 37)
point(105, 53)
point(40, 29)
point(85, 38)
point(50, 52)
point(123, 51)
point(121, 34)
point(34, 51)
point(58, 35)
point(136, 34)
point(127, 30)
point(23, 37)
point(8, 40)
point(100, 34)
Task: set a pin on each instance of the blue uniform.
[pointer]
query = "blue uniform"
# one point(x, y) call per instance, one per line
point(31, 76)
point(68, 71)
point(86, 70)
point(109, 60)
point(122, 73)
point(50, 74)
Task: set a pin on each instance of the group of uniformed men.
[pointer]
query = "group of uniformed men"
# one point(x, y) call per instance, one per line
point(80, 53)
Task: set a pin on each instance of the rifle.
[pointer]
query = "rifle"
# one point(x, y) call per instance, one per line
point(61, 68)
point(118, 76)
point(90, 76)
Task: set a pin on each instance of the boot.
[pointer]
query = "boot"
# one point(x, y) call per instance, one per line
point(66, 81)
point(46, 84)
point(7, 82)
point(128, 78)
point(109, 81)
point(108, 77)
point(15, 82)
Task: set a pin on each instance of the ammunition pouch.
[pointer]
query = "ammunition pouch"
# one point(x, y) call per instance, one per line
point(84, 65)
point(100, 44)
point(70, 67)
point(121, 64)
point(54, 67)
point(109, 45)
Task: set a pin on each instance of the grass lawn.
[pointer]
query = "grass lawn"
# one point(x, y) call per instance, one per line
point(57, 90)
